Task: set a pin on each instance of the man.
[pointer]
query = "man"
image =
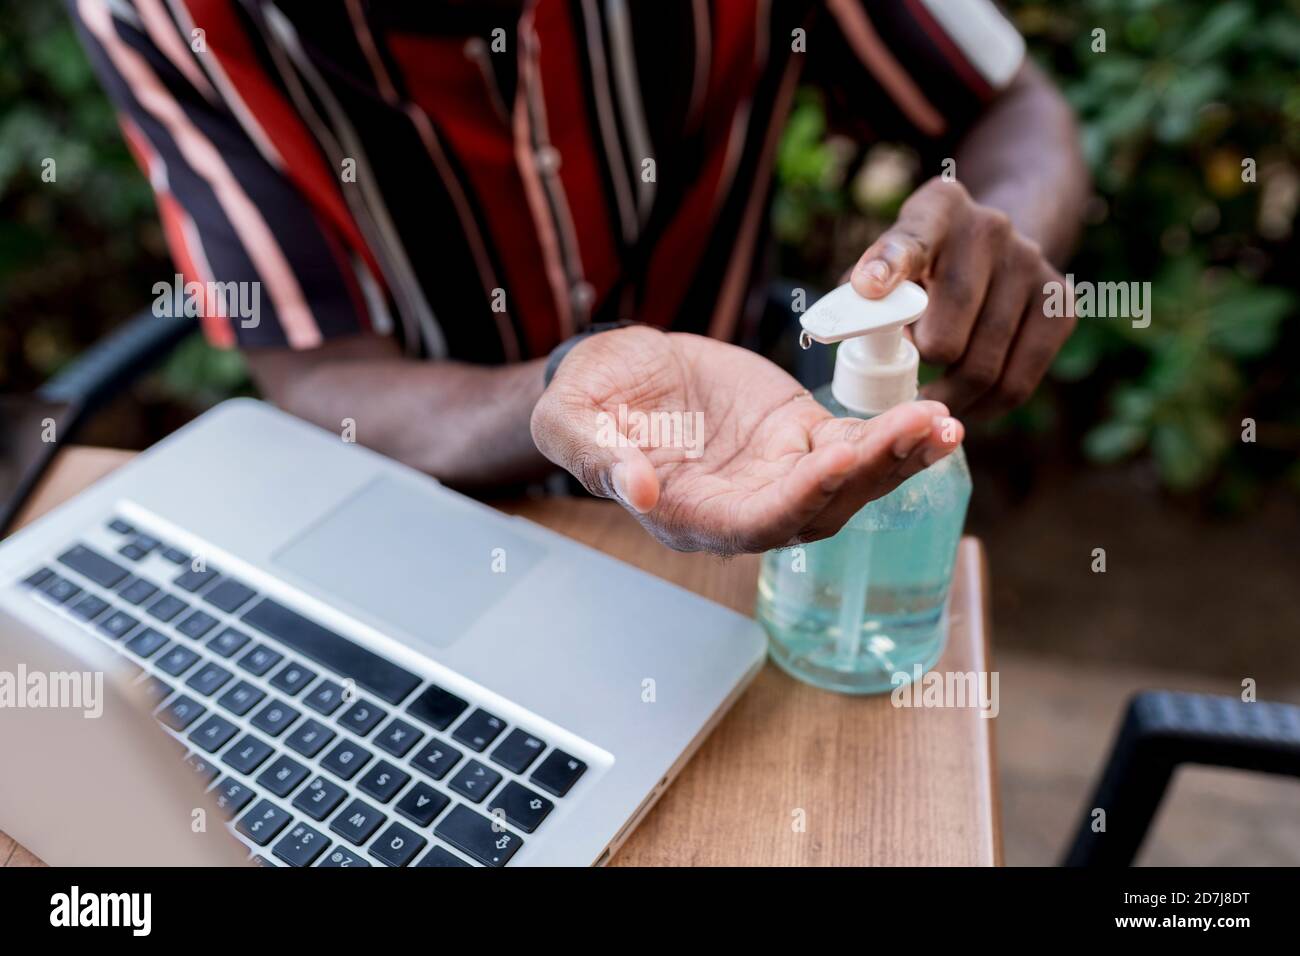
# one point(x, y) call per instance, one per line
point(434, 196)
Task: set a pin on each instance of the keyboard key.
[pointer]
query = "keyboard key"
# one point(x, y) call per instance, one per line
point(116, 624)
point(325, 698)
point(282, 775)
point(37, 577)
point(214, 733)
point(382, 781)
point(232, 796)
point(60, 590)
point(229, 595)
point(361, 717)
point(521, 807)
point(146, 643)
point(176, 660)
point(319, 798)
point(397, 845)
point(263, 822)
point(274, 717)
point(93, 566)
point(357, 822)
point(132, 551)
point(437, 707)
point(175, 555)
point(376, 674)
point(136, 591)
point(345, 760)
point(518, 751)
point(293, 678)
point(89, 607)
point(260, 660)
point(202, 769)
point(478, 730)
point(474, 834)
point(436, 759)
point(120, 526)
point(397, 738)
point(263, 861)
point(166, 607)
point(558, 773)
point(342, 856)
point(228, 642)
point(181, 712)
point(209, 679)
point(301, 846)
point(192, 580)
point(247, 754)
point(474, 781)
point(310, 738)
point(156, 690)
point(241, 698)
point(196, 625)
point(421, 804)
point(146, 543)
point(441, 856)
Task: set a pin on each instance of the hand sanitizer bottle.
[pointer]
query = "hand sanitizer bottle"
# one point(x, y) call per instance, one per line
point(866, 610)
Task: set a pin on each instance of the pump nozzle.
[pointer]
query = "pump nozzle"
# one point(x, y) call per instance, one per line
point(875, 368)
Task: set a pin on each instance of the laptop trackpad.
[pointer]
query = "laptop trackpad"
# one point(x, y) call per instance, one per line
point(429, 565)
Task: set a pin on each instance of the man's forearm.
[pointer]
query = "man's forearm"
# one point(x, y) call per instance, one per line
point(464, 424)
point(1023, 157)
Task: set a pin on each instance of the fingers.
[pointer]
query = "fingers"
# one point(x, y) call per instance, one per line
point(891, 448)
point(907, 249)
point(567, 431)
point(983, 359)
point(959, 284)
point(1038, 338)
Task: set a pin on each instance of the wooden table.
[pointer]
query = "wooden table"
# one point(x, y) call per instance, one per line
point(876, 784)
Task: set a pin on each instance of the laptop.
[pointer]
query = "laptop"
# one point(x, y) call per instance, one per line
point(310, 655)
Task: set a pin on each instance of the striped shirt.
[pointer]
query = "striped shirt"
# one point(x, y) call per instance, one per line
point(484, 178)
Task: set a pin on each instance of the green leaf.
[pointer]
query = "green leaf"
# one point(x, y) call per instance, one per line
point(1111, 441)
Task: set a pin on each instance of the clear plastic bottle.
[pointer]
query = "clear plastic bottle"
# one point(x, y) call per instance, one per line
point(850, 612)
point(853, 612)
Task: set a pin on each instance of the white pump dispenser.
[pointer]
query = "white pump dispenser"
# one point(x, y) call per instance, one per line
point(875, 367)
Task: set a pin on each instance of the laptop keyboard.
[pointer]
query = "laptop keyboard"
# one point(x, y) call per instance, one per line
point(320, 751)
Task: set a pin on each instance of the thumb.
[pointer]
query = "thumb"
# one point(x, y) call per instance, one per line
point(907, 248)
point(570, 431)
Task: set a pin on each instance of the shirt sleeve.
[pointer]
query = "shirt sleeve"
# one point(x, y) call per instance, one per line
point(262, 263)
point(919, 71)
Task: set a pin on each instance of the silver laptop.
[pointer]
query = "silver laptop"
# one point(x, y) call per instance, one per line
point(308, 655)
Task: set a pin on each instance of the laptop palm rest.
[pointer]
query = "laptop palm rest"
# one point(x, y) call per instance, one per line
point(428, 564)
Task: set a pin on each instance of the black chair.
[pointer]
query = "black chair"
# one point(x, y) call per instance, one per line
point(27, 445)
point(1161, 731)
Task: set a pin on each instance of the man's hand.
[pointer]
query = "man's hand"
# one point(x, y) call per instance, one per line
point(776, 468)
point(985, 320)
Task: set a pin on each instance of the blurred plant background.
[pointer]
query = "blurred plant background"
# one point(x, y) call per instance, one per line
point(1191, 126)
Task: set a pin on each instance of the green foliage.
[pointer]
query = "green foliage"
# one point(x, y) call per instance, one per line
point(1186, 96)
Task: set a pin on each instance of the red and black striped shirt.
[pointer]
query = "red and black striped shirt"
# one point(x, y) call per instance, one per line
point(484, 178)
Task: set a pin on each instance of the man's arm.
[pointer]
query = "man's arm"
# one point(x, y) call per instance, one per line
point(466, 425)
point(1023, 157)
point(984, 247)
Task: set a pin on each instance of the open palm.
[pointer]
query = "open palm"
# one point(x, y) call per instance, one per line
point(771, 467)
